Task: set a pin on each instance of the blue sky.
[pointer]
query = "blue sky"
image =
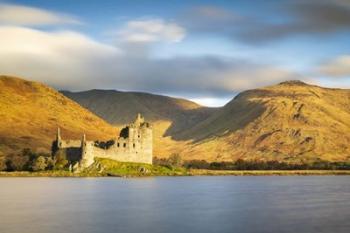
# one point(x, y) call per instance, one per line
point(207, 51)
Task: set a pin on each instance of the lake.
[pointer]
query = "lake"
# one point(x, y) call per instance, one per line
point(176, 204)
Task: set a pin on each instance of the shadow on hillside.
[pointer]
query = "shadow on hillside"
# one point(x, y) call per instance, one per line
point(187, 120)
point(234, 116)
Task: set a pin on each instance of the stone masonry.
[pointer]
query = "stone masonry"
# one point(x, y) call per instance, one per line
point(134, 144)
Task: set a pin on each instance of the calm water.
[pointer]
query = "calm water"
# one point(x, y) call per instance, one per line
point(175, 204)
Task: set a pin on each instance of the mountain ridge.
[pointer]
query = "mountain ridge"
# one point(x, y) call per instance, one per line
point(291, 121)
point(275, 122)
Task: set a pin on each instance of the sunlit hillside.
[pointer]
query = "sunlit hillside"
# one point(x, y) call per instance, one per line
point(292, 121)
point(169, 116)
point(30, 113)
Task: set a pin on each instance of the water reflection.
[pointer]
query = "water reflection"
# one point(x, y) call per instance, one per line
point(175, 204)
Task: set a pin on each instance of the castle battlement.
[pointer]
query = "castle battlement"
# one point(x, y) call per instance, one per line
point(133, 144)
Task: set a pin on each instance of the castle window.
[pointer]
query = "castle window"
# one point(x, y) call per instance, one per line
point(118, 144)
point(138, 136)
point(124, 145)
point(133, 145)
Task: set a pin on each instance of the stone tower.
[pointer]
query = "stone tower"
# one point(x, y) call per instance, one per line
point(140, 138)
point(134, 144)
point(58, 138)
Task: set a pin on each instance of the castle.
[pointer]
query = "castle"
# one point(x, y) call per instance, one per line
point(134, 144)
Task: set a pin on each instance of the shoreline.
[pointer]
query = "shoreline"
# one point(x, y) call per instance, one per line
point(191, 172)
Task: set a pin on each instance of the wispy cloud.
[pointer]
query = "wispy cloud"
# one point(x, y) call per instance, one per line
point(151, 30)
point(338, 67)
point(31, 16)
point(71, 60)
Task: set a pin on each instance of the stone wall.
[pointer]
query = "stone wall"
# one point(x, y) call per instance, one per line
point(134, 144)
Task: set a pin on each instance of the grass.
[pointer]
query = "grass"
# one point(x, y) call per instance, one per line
point(107, 167)
point(205, 172)
point(114, 168)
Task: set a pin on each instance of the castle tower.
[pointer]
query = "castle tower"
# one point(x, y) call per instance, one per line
point(83, 145)
point(83, 140)
point(86, 157)
point(139, 120)
point(58, 137)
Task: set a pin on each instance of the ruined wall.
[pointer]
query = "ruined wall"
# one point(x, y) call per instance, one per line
point(70, 143)
point(137, 149)
point(135, 144)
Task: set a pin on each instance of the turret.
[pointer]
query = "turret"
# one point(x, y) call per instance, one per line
point(84, 159)
point(58, 137)
point(83, 141)
point(139, 120)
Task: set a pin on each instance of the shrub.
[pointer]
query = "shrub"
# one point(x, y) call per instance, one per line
point(17, 162)
point(3, 166)
point(39, 164)
point(175, 160)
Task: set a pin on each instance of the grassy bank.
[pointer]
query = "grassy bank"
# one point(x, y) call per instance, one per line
point(191, 172)
point(106, 167)
point(205, 172)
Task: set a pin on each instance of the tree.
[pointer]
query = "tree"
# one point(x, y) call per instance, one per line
point(60, 161)
point(17, 162)
point(39, 164)
point(175, 160)
point(3, 166)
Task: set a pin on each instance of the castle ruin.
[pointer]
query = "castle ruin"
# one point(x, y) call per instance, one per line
point(134, 144)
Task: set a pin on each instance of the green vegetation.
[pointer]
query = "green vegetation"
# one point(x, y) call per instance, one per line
point(114, 168)
point(265, 165)
point(205, 172)
point(29, 163)
point(105, 167)
point(26, 160)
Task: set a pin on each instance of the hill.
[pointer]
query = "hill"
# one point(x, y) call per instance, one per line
point(30, 113)
point(119, 108)
point(170, 116)
point(291, 121)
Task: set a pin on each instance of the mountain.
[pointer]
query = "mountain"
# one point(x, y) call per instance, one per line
point(30, 113)
point(170, 116)
point(119, 108)
point(291, 121)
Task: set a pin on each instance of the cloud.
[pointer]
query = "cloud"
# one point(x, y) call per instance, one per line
point(281, 20)
point(31, 16)
point(338, 67)
point(313, 18)
point(211, 19)
point(59, 58)
point(73, 61)
point(151, 30)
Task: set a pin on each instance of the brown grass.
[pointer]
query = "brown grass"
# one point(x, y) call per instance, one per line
point(30, 113)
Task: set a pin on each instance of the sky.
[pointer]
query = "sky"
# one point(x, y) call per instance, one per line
point(206, 51)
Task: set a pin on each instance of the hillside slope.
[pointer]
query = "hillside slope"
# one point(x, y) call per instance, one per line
point(292, 121)
point(30, 113)
point(170, 116)
point(120, 108)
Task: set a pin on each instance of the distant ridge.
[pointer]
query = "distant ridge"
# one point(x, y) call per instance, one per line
point(119, 108)
point(291, 121)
